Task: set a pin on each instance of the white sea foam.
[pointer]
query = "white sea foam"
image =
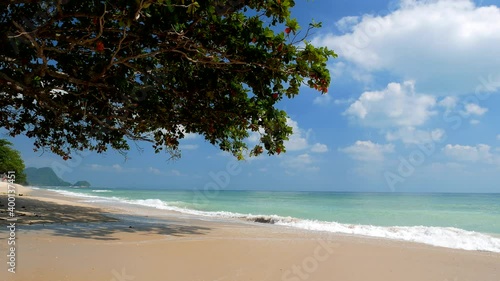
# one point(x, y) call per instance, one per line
point(448, 237)
point(88, 198)
point(101, 190)
point(73, 194)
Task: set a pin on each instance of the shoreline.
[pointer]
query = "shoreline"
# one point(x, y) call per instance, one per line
point(102, 243)
point(120, 207)
point(447, 237)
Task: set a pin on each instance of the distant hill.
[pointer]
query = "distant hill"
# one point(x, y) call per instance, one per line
point(82, 184)
point(44, 177)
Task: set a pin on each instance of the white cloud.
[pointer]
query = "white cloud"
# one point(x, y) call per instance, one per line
point(302, 162)
point(449, 103)
point(343, 101)
point(368, 151)
point(397, 105)
point(253, 137)
point(154, 171)
point(410, 135)
point(176, 173)
point(474, 109)
point(298, 140)
point(319, 148)
point(465, 153)
point(468, 109)
point(158, 172)
point(95, 166)
point(346, 24)
point(337, 69)
point(190, 136)
point(445, 45)
point(324, 99)
point(117, 168)
point(187, 136)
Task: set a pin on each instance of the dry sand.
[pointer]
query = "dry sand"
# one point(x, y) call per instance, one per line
point(75, 241)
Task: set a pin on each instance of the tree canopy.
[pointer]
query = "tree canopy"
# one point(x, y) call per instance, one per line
point(10, 160)
point(92, 74)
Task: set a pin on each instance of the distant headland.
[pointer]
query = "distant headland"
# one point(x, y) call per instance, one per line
point(46, 177)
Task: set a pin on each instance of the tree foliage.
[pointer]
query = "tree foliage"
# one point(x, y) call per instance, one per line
point(10, 160)
point(90, 74)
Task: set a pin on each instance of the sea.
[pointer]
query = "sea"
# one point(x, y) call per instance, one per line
point(459, 221)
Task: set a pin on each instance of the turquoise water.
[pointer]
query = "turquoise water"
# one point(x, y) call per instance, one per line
point(461, 221)
point(474, 212)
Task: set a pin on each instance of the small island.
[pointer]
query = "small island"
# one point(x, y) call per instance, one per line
point(81, 184)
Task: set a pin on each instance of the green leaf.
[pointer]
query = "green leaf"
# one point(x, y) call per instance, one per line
point(268, 33)
point(193, 7)
point(194, 67)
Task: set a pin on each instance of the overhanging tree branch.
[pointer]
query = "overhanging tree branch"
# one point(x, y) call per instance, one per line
point(138, 70)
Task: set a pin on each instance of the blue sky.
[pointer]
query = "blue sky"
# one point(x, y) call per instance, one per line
point(413, 107)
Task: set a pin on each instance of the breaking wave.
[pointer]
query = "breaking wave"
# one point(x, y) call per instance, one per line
point(448, 237)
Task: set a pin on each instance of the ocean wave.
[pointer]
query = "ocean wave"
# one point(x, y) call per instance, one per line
point(87, 196)
point(101, 190)
point(447, 237)
point(73, 194)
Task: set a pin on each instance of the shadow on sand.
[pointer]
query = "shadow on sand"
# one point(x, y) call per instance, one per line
point(89, 222)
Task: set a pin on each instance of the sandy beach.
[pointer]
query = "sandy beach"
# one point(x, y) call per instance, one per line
point(60, 238)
